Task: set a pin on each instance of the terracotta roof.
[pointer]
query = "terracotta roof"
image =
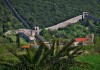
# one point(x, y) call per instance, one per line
point(25, 47)
point(28, 46)
point(81, 39)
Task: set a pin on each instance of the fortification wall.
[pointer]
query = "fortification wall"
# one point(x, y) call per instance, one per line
point(65, 23)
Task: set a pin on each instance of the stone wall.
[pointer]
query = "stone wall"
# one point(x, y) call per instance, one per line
point(65, 23)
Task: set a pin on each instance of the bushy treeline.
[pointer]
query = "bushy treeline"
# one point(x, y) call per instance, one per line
point(45, 13)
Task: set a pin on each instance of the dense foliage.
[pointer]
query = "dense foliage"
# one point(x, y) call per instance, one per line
point(7, 19)
point(43, 58)
point(80, 29)
point(51, 12)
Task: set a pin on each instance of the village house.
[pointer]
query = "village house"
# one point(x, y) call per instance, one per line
point(83, 41)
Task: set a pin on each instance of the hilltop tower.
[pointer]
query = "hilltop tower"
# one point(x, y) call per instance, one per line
point(84, 15)
point(37, 29)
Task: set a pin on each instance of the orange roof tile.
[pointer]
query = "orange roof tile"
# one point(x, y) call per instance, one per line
point(81, 39)
point(28, 46)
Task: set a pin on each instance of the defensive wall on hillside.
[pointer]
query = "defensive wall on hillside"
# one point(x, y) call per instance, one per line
point(54, 27)
point(65, 23)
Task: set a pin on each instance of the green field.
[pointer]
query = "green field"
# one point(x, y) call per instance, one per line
point(93, 59)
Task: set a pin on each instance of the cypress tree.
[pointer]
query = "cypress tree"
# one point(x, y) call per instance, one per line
point(17, 40)
point(3, 28)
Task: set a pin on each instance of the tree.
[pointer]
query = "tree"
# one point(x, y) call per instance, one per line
point(18, 40)
point(3, 27)
point(97, 44)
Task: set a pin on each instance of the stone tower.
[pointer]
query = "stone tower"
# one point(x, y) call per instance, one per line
point(37, 29)
point(84, 15)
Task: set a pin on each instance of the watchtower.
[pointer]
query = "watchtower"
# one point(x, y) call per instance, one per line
point(37, 29)
point(84, 15)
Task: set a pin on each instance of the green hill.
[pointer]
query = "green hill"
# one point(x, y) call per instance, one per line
point(7, 18)
point(45, 13)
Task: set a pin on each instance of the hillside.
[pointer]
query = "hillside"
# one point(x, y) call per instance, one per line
point(25, 49)
point(7, 18)
point(45, 13)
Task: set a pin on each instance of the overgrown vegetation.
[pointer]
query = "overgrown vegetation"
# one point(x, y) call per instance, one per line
point(43, 58)
point(56, 58)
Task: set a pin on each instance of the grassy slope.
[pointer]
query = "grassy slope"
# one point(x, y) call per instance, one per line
point(22, 41)
point(92, 59)
point(50, 12)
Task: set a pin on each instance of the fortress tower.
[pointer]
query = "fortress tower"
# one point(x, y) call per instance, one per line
point(84, 15)
point(37, 29)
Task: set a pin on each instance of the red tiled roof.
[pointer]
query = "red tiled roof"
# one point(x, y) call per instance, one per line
point(81, 39)
point(28, 46)
point(25, 47)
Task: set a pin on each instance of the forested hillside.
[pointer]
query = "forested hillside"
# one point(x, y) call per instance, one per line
point(49, 50)
point(7, 19)
point(45, 13)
